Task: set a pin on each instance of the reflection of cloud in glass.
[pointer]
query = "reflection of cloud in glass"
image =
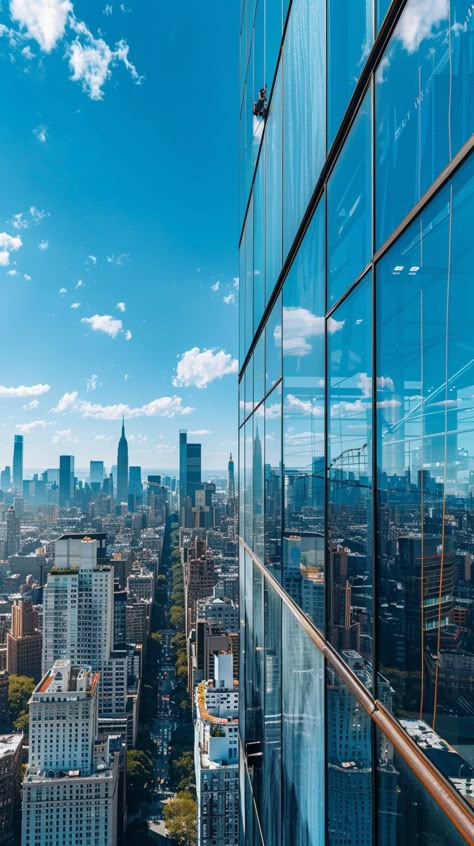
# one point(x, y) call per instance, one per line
point(300, 325)
point(304, 406)
point(420, 20)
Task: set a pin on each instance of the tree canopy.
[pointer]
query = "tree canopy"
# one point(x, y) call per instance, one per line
point(180, 816)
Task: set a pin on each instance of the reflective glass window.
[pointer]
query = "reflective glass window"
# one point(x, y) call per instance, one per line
point(303, 423)
point(258, 486)
point(256, 671)
point(248, 383)
point(273, 189)
point(271, 817)
point(273, 346)
point(407, 815)
point(304, 109)
point(350, 38)
point(273, 480)
point(273, 33)
point(350, 602)
point(381, 9)
point(242, 281)
point(349, 751)
point(350, 206)
point(247, 530)
point(249, 267)
point(424, 104)
point(242, 650)
point(425, 447)
point(303, 737)
point(248, 681)
point(259, 369)
point(259, 243)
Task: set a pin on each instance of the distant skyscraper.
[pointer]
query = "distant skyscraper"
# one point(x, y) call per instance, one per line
point(183, 439)
point(5, 479)
point(24, 641)
point(230, 479)
point(96, 472)
point(18, 464)
point(189, 474)
point(122, 467)
point(13, 532)
point(135, 481)
point(66, 480)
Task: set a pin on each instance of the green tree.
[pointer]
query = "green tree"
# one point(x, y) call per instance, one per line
point(180, 816)
point(140, 775)
point(177, 616)
point(20, 689)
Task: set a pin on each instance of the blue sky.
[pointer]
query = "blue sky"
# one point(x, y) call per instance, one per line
point(118, 228)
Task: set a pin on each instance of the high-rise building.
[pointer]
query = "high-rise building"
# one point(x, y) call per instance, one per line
point(216, 756)
point(78, 619)
point(122, 467)
point(189, 477)
point(5, 479)
point(24, 641)
point(66, 481)
point(10, 764)
point(13, 531)
point(18, 464)
point(96, 473)
point(230, 479)
point(356, 447)
point(70, 788)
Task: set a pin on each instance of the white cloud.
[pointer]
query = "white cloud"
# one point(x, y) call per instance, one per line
point(79, 284)
point(92, 260)
point(64, 435)
point(235, 280)
point(63, 290)
point(8, 244)
point(109, 325)
point(229, 299)
point(299, 326)
point(12, 272)
point(30, 405)
point(420, 21)
point(200, 432)
point(121, 307)
point(108, 9)
point(91, 382)
point(43, 245)
point(161, 407)
point(37, 215)
point(75, 305)
point(304, 406)
point(41, 133)
point(44, 20)
point(18, 221)
point(27, 53)
point(118, 260)
point(199, 368)
point(91, 60)
point(25, 428)
point(24, 391)
point(27, 277)
point(216, 285)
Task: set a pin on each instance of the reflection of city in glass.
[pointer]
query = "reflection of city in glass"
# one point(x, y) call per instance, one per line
point(356, 411)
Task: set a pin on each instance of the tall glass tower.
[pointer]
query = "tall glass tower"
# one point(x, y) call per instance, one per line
point(356, 450)
point(122, 467)
point(18, 464)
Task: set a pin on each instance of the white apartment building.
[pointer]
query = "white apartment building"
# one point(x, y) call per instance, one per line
point(216, 756)
point(70, 788)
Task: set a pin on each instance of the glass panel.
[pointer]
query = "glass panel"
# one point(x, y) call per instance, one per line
point(350, 606)
point(350, 38)
point(381, 10)
point(272, 478)
point(350, 206)
point(273, 346)
point(256, 671)
point(424, 103)
point(271, 818)
point(258, 487)
point(249, 278)
point(407, 815)
point(425, 389)
point(242, 651)
point(304, 109)
point(273, 33)
point(273, 189)
point(259, 369)
point(303, 423)
point(303, 737)
point(242, 286)
point(349, 750)
point(248, 679)
point(249, 387)
point(248, 492)
point(259, 243)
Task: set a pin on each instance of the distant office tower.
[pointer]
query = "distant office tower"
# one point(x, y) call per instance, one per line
point(356, 451)
point(199, 584)
point(13, 531)
point(78, 619)
point(5, 479)
point(96, 472)
point(122, 467)
point(24, 641)
point(66, 481)
point(18, 464)
point(189, 477)
point(216, 756)
point(10, 763)
point(70, 789)
point(135, 488)
point(230, 479)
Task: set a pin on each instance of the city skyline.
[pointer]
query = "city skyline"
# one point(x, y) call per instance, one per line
point(104, 288)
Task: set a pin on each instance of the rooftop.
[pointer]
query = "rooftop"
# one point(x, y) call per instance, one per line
point(9, 743)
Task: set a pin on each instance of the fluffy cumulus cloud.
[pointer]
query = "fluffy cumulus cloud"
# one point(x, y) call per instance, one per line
point(41, 133)
point(64, 435)
point(91, 382)
point(121, 307)
point(304, 406)
point(30, 405)
point(300, 326)
point(420, 21)
point(8, 244)
point(160, 407)
point(107, 324)
point(199, 368)
point(91, 59)
point(26, 428)
point(24, 391)
point(75, 305)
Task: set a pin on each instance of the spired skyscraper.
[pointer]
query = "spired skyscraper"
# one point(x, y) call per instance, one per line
point(356, 452)
point(122, 467)
point(18, 464)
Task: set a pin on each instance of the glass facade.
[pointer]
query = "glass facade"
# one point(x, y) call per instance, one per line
point(356, 444)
